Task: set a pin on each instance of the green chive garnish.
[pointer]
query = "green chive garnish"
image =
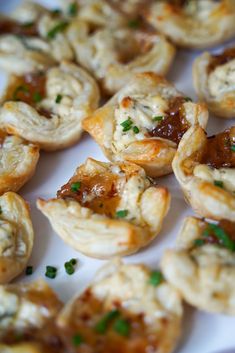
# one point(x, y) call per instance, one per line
point(135, 23)
point(233, 148)
point(56, 12)
point(102, 325)
point(199, 242)
point(28, 24)
point(127, 124)
point(77, 340)
point(69, 268)
point(136, 129)
point(59, 27)
point(58, 98)
point(188, 99)
point(29, 270)
point(76, 186)
point(73, 9)
point(51, 272)
point(122, 327)
point(37, 97)
point(73, 262)
point(19, 89)
point(219, 183)
point(158, 118)
point(222, 236)
point(156, 278)
point(121, 213)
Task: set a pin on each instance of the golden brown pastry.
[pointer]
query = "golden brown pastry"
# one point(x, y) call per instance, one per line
point(204, 167)
point(144, 122)
point(23, 348)
point(214, 82)
point(47, 108)
point(128, 308)
point(107, 209)
point(26, 308)
point(113, 56)
point(202, 267)
point(16, 236)
point(194, 23)
point(18, 160)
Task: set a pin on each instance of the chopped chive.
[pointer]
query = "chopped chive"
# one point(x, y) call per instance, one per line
point(156, 278)
point(21, 88)
point(69, 268)
point(122, 327)
point(51, 272)
point(121, 213)
point(73, 262)
point(136, 130)
point(102, 325)
point(73, 9)
point(233, 148)
point(28, 24)
point(134, 23)
point(77, 340)
point(37, 97)
point(219, 183)
point(29, 270)
point(75, 186)
point(188, 99)
point(222, 236)
point(59, 27)
point(58, 98)
point(56, 12)
point(158, 118)
point(199, 242)
point(127, 124)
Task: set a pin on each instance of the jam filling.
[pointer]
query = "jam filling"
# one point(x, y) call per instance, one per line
point(8, 26)
point(30, 89)
point(219, 152)
point(98, 192)
point(173, 125)
point(221, 59)
point(94, 328)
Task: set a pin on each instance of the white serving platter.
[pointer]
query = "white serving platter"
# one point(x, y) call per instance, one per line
point(202, 332)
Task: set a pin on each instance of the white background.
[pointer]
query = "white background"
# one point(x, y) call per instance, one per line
point(202, 332)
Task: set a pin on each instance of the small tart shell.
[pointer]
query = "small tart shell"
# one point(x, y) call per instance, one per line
point(207, 22)
point(155, 155)
point(129, 286)
point(80, 97)
point(17, 236)
point(18, 162)
point(102, 235)
point(205, 275)
point(197, 180)
point(27, 306)
point(22, 348)
point(221, 104)
point(101, 53)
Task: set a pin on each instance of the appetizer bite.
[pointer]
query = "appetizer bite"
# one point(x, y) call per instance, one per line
point(202, 267)
point(205, 168)
point(114, 55)
point(194, 23)
point(18, 162)
point(107, 209)
point(16, 236)
point(47, 108)
point(214, 82)
point(26, 308)
point(32, 39)
point(144, 123)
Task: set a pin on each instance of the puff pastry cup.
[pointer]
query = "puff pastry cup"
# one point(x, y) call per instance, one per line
point(18, 160)
point(47, 108)
point(194, 23)
point(144, 122)
point(113, 56)
point(26, 308)
point(204, 168)
point(202, 267)
point(107, 209)
point(16, 236)
point(214, 81)
point(33, 39)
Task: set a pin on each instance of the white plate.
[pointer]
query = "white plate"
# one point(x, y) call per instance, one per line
point(202, 332)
